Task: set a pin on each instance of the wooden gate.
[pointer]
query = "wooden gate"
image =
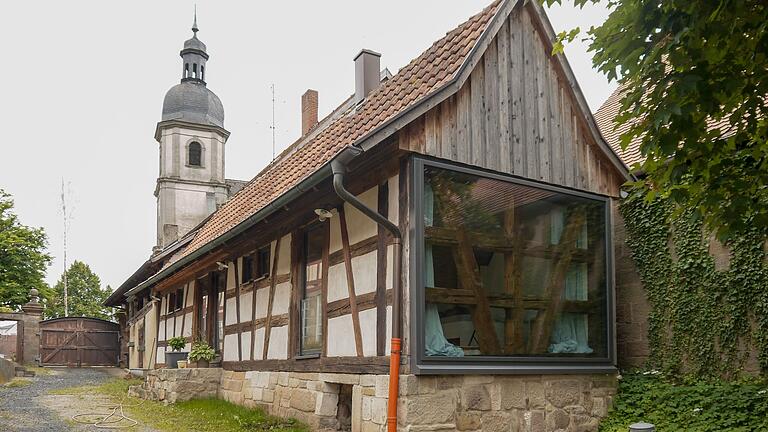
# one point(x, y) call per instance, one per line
point(78, 341)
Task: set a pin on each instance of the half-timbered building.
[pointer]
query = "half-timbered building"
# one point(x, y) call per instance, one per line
point(436, 254)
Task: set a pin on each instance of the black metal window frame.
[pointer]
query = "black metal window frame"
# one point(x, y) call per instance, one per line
point(426, 365)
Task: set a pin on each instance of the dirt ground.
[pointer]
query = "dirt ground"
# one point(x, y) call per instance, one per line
point(31, 408)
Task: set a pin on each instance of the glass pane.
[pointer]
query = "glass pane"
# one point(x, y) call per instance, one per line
point(311, 305)
point(512, 270)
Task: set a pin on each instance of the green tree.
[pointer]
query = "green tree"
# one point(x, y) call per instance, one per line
point(85, 296)
point(23, 258)
point(695, 75)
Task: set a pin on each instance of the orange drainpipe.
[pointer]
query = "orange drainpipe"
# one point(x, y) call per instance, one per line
point(339, 169)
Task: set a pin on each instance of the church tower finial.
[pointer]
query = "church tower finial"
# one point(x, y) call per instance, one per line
point(194, 24)
point(194, 56)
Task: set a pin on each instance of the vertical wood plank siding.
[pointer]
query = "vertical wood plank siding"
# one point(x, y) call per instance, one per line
point(516, 114)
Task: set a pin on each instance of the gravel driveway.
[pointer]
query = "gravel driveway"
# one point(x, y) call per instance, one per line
point(22, 409)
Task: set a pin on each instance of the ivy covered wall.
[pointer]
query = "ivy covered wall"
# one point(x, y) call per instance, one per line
point(707, 304)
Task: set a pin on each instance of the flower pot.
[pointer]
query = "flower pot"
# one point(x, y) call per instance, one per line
point(182, 364)
point(171, 358)
point(201, 364)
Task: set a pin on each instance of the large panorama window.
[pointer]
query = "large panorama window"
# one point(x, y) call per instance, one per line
point(511, 270)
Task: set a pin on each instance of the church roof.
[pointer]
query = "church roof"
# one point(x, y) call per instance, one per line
point(193, 102)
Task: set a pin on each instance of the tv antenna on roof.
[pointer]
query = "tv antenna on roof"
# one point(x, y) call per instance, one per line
point(273, 127)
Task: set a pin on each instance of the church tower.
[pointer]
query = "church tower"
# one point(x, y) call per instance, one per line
point(191, 134)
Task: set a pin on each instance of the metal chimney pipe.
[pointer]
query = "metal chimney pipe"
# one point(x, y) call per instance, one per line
point(367, 73)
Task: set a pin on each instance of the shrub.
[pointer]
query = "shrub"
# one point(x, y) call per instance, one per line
point(696, 406)
point(201, 351)
point(177, 343)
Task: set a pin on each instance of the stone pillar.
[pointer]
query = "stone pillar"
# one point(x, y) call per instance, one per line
point(33, 314)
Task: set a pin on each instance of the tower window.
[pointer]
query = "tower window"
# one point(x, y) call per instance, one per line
point(186, 70)
point(195, 154)
point(202, 72)
point(194, 69)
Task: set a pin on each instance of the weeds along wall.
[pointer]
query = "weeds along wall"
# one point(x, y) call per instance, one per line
point(706, 320)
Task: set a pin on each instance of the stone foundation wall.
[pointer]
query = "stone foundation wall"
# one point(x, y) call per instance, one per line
point(532, 403)
point(174, 385)
point(332, 401)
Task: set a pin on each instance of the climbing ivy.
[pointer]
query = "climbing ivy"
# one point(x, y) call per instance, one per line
point(704, 321)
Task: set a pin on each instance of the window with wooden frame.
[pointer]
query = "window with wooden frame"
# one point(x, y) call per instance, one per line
point(311, 312)
point(170, 305)
point(180, 299)
point(261, 261)
point(246, 274)
point(511, 270)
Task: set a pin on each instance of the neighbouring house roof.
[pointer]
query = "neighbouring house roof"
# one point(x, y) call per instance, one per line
point(604, 118)
point(437, 69)
point(632, 155)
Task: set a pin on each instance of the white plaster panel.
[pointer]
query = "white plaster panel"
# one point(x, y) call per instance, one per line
point(360, 226)
point(341, 342)
point(393, 205)
point(278, 343)
point(187, 324)
point(284, 263)
point(262, 299)
point(258, 347)
point(231, 317)
point(161, 330)
point(246, 339)
point(335, 240)
point(231, 275)
point(246, 304)
point(230, 347)
point(390, 264)
point(364, 272)
point(160, 355)
point(368, 331)
point(389, 332)
point(282, 298)
point(189, 293)
point(337, 283)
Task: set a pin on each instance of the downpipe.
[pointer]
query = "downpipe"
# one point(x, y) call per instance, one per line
point(339, 168)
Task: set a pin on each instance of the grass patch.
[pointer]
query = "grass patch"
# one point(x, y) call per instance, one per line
point(704, 406)
point(202, 415)
point(17, 382)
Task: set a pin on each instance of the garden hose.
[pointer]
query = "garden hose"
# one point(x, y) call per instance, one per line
point(116, 419)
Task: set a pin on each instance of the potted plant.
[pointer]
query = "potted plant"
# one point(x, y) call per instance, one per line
point(172, 358)
point(201, 354)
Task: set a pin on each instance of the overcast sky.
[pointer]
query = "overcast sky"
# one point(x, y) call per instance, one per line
point(84, 83)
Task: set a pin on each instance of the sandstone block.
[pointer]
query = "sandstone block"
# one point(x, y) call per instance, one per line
point(379, 411)
point(467, 421)
point(557, 419)
point(434, 408)
point(382, 386)
point(303, 400)
point(476, 397)
point(339, 378)
point(326, 404)
point(563, 393)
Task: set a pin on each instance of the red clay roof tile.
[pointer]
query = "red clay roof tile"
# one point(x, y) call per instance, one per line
point(422, 76)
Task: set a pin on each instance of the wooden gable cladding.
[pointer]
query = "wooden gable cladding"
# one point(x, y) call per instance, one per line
point(517, 113)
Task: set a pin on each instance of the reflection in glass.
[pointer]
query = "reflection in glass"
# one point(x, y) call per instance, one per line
point(512, 270)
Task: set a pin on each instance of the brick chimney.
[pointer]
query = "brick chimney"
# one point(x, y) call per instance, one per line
point(308, 111)
point(367, 73)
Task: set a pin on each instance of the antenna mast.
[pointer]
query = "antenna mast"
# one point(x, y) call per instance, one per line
point(273, 121)
point(64, 212)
